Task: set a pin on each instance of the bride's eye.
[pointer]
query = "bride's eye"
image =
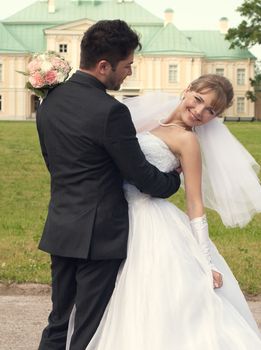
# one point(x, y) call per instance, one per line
point(197, 99)
point(211, 111)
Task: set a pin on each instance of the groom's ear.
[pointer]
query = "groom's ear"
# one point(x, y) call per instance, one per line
point(103, 67)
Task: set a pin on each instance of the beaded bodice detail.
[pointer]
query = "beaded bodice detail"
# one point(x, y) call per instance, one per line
point(158, 154)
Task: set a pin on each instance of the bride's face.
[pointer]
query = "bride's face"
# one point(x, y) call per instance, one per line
point(197, 108)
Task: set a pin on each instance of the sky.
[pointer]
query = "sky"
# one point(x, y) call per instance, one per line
point(188, 14)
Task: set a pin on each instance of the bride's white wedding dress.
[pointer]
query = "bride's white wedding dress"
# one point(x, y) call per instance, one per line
point(164, 297)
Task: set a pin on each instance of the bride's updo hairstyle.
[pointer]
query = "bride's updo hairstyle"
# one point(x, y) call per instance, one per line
point(220, 85)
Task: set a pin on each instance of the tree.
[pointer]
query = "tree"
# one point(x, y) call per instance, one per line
point(246, 35)
point(255, 83)
point(248, 32)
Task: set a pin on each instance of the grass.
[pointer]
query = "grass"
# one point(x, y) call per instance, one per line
point(24, 195)
point(24, 188)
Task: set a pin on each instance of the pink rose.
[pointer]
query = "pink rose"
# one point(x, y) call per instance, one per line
point(50, 77)
point(61, 65)
point(33, 66)
point(46, 70)
point(36, 80)
point(56, 61)
point(67, 68)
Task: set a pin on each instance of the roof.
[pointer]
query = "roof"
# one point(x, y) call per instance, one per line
point(68, 11)
point(24, 31)
point(31, 36)
point(215, 46)
point(28, 25)
point(169, 40)
point(8, 43)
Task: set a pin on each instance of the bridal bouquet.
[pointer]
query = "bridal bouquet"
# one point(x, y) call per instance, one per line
point(45, 71)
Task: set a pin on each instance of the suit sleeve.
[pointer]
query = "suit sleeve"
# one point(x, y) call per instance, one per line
point(121, 143)
point(41, 140)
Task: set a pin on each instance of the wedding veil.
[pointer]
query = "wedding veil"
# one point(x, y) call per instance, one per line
point(230, 184)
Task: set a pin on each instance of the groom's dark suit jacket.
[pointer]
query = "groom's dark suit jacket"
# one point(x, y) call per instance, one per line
point(89, 145)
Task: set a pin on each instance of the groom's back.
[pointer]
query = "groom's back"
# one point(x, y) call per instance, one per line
point(86, 186)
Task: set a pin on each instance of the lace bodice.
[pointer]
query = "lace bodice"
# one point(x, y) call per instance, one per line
point(158, 154)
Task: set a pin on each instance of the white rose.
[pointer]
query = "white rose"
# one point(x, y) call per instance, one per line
point(60, 77)
point(41, 57)
point(46, 66)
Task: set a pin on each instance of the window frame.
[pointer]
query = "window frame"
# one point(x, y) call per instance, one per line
point(220, 69)
point(241, 76)
point(63, 48)
point(241, 102)
point(174, 71)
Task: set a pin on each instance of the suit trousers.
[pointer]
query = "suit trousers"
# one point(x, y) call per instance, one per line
point(87, 284)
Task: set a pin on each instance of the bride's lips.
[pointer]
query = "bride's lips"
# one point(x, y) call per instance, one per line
point(193, 117)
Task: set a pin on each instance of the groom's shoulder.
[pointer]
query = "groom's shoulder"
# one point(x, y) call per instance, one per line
point(118, 108)
point(112, 100)
point(114, 104)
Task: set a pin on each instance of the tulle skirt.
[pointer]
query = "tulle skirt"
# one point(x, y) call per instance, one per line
point(164, 297)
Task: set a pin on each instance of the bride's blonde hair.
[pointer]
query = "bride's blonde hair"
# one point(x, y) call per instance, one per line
point(220, 85)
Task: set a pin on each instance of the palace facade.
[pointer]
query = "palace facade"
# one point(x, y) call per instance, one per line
point(169, 60)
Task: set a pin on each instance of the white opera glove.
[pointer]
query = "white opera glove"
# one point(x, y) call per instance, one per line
point(199, 228)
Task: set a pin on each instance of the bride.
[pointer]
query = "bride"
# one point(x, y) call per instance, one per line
point(174, 290)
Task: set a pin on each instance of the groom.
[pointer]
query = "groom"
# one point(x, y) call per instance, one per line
point(89, 144)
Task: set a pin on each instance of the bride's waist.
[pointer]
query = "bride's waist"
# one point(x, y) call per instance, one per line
point(133, 194)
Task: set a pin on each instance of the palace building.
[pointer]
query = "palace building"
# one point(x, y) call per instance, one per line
point(169, 59)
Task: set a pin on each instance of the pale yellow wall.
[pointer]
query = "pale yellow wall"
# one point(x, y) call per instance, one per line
point(73, 43)
point(15, 98)
point(151, 73)
point(70, 34)
point(230, 71)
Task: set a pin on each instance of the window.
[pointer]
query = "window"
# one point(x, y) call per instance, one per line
point(241, 73)
point(240, 104)
point(1, 72)
point(63, 48)
point(173, 73)
point(0, 103)
point(220, 71)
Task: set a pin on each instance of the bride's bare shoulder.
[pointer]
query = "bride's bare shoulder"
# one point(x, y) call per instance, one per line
point(186, 141)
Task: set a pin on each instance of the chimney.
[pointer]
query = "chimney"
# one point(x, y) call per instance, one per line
point(223, 25)
point(51, 6)
point(168, 16)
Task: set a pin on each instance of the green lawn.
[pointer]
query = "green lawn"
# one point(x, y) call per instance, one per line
point(24, 193)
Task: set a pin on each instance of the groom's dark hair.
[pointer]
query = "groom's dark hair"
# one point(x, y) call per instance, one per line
point(112, 41)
